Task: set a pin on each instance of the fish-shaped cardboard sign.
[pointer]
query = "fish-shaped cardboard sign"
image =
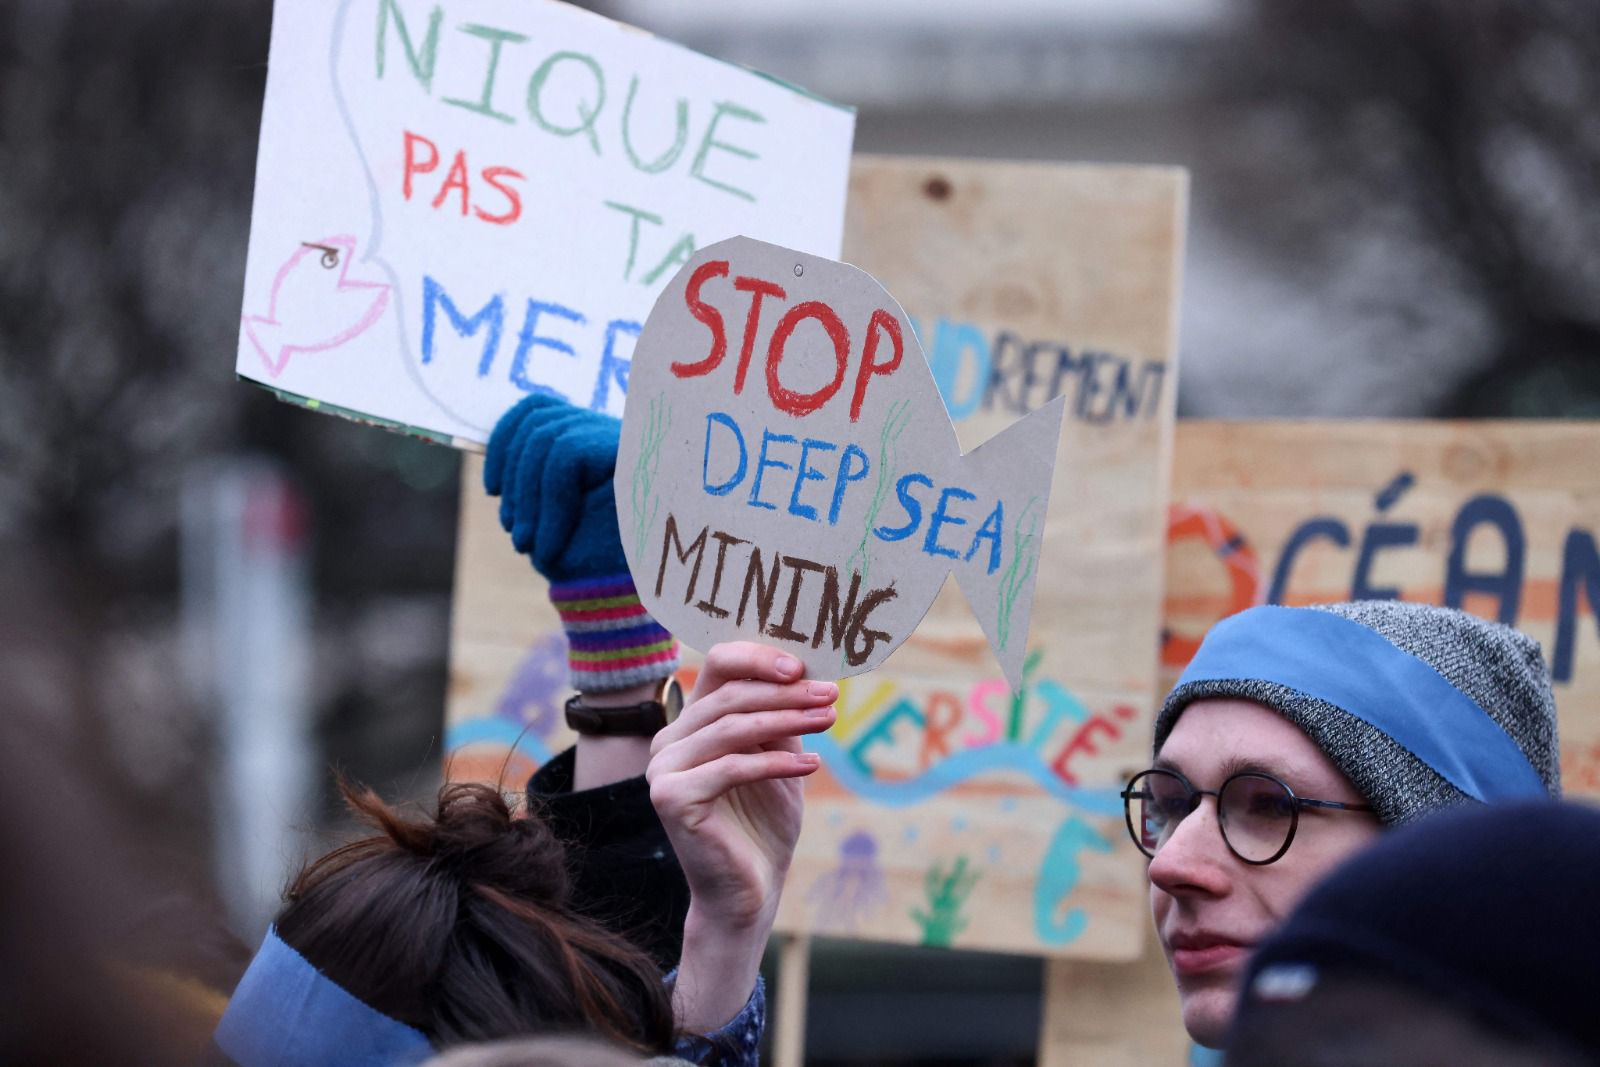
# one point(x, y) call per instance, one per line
point(788, 472)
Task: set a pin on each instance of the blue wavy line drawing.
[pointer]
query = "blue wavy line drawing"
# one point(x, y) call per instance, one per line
point(497, 731)
point(951, 772)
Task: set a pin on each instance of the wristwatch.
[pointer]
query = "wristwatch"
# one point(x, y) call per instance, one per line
point(628, 720)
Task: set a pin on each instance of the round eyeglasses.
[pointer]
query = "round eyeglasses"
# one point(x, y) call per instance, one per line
point(1257, 813)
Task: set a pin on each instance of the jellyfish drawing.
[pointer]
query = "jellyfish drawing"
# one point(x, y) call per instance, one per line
point(853, 891)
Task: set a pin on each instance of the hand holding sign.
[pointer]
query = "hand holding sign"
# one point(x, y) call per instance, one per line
point(788, 472)
point(725, 778)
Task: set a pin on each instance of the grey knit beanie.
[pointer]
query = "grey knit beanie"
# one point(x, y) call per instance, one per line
point(1417, 720)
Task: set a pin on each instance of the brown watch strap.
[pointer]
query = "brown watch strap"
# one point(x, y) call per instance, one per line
point(644, 719)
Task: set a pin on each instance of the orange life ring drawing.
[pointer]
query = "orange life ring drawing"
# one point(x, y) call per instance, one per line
point(1229, 546)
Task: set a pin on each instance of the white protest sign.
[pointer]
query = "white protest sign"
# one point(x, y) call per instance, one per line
point(788, 472)
point(461, 202)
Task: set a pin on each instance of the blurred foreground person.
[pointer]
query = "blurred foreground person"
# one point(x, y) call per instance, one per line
point(104, 957)
point(1469, 940)
point(1293, 738)
point(111, 948)
point(460, 926)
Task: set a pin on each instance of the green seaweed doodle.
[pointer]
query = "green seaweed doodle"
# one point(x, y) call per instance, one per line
point(645, 502)
point(888, 457)
point(947, 893)
point(1019, 699)
point(1020, 572)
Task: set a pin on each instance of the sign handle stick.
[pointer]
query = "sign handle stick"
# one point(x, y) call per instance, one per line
point(794, 981)
point(1112, 1014)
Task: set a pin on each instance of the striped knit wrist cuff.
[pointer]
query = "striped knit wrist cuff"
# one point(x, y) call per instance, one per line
point(612, 642)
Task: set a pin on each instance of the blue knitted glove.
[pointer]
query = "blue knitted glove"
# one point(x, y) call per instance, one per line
point(552, 466)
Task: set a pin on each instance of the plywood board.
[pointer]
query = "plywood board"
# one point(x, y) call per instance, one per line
point(948, 811)
point(1112, 1014)
point(951, 812)
point(1497, 518)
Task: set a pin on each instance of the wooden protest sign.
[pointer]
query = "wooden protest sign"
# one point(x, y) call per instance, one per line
point(726, 534)
point(460, 203)
point(1496, 518)
point(951, 810)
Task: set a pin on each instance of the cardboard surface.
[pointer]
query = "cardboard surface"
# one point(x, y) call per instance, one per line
point(460, 203)
point(797, 481)
point(950, 811)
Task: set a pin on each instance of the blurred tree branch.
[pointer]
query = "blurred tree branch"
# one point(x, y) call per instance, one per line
point(128, 136)
point(1465, 128)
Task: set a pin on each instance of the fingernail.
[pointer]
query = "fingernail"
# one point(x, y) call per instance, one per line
point(823, 689)
point(820, 712)
point(788, 665)
point(808, 759)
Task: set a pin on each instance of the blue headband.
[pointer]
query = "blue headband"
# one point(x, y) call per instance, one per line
point(285, 1013)
point(1359, 671)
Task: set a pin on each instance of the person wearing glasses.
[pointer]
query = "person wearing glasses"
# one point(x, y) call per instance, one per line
point(1293, 739)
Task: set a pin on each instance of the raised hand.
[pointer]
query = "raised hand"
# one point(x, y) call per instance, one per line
point(725, 779)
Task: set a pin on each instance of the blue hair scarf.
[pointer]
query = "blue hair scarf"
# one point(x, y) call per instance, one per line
point(1358, 670)
point(286, 1013)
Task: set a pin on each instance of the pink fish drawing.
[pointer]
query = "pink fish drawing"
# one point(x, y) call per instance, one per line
point(315, 305)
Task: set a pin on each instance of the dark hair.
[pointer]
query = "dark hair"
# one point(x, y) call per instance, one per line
point(461, 925)
point(536, 1052)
